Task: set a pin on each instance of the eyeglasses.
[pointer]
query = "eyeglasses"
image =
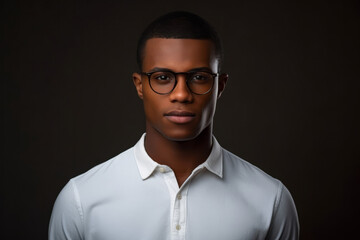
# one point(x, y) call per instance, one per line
point(164, 82)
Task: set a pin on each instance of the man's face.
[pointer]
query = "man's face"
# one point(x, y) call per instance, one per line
point(180, 115)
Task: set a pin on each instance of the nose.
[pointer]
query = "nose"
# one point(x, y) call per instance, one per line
point(181, 92)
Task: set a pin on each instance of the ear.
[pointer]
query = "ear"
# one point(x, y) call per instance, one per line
point(222, 82)
point(138, 84)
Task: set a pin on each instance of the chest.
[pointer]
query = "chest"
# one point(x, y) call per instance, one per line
point(158, 211)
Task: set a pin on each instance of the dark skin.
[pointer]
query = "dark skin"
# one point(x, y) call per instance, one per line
point(179, 124)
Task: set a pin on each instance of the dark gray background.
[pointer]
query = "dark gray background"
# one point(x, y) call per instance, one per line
point(290, 107)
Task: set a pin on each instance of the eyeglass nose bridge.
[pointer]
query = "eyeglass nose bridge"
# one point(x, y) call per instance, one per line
point(186, 75)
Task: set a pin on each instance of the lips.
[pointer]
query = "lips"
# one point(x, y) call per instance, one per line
point(179, 117)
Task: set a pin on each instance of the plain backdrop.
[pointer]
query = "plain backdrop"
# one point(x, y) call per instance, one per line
point(291, 106)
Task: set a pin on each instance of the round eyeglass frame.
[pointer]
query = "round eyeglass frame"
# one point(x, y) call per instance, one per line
point(148, 74)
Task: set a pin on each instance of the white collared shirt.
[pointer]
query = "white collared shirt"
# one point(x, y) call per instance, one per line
point(132, 197)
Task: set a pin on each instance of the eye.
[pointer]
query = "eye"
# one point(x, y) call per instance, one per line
point(162, 79)
point(162, 76)
point(200, 77)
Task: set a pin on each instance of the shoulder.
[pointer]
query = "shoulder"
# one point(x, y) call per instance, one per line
point(265, 193)
point(239, 168)
point(71, 205)
point(103, 179)
point(98, 183)
point(257, 186)
point(109, 169)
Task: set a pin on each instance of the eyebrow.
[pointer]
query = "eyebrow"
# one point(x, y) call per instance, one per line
point(158, 69)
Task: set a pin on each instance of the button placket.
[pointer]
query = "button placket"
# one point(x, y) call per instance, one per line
point(182, 200)
point(177, 213)
point(178, 201)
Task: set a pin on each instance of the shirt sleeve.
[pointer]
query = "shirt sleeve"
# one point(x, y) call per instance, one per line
point(66, 222)
point(284, 224)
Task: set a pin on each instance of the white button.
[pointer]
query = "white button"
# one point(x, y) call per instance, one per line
point(179, 196)
point(178, 227)
point(162, 170)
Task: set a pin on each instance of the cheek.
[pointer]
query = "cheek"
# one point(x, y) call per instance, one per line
point(149, 108)
point(152, 105)
point(208, 109)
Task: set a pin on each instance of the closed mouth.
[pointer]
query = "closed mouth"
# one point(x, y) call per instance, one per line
point(180, 114)
point(180, 117)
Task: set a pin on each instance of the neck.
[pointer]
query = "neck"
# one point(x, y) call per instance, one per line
point(181, 156)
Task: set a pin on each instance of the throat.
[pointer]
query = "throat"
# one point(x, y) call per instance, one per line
point(181, 156)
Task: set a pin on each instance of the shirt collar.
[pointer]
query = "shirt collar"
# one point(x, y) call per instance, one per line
point(146, 166)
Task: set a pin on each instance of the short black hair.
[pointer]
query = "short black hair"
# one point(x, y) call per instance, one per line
point(179, 25)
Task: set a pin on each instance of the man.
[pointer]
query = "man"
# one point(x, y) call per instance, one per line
point(176, 182)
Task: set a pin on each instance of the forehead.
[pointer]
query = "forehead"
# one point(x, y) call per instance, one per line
point(179, 54)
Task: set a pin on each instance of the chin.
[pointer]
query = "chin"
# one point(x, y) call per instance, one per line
point(180, 135)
